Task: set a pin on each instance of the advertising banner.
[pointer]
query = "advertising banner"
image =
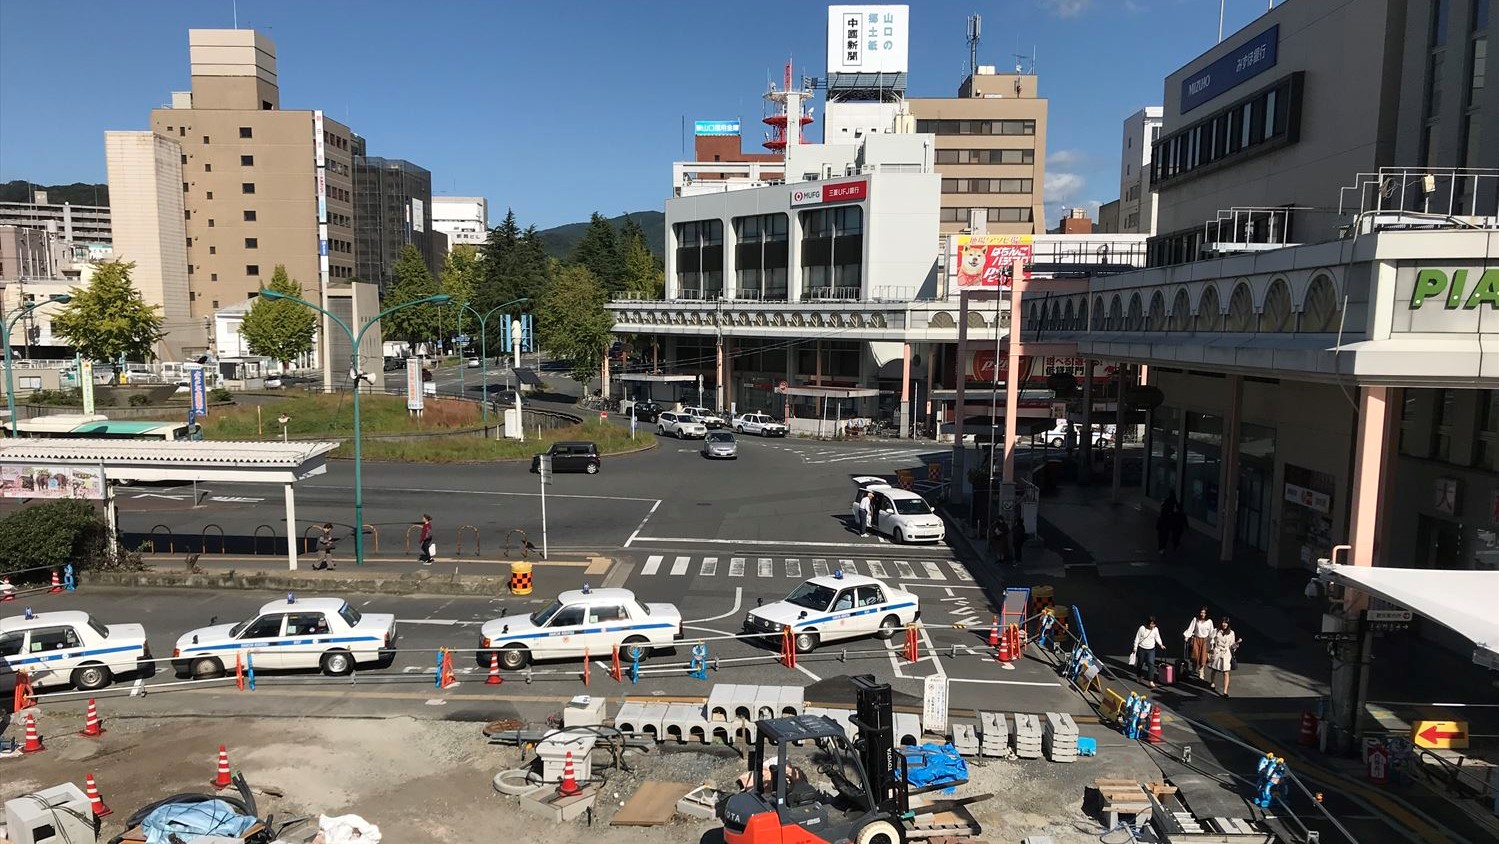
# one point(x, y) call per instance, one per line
point(823, 194)
point(198, 387)
point(868, 39)
point(418, 215)
point(983, 257)
point(86, 384)
point(1252, 58)
point(712, 128)
point(414, 396)
point(50, 482)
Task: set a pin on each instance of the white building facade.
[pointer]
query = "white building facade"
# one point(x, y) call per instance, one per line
point(464, 219)
point(1136, 199)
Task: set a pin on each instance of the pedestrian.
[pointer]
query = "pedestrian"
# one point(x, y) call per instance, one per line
point(1221, 649)
point(1199, 631)
point(999, 540)
point(325, 543)
point(1017, 536)
point(863, 513)
point(1178, 526)
point(1147, 644)
point(424, 542)
point(1163, 522)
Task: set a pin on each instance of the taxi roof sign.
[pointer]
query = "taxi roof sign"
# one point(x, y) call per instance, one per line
point(1440, 735)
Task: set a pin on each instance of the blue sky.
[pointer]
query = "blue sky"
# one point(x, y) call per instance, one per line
point(560, 108)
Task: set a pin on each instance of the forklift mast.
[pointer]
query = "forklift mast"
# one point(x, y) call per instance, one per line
point(874, 716)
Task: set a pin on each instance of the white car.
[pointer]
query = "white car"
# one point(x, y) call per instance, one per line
point(838, 606)
point(71, 648)
point(323, 633)
point(901, 514)
point(1057, 437)
point(706, 416)
point(592, 620)
point(759, 423)
point(680, 425)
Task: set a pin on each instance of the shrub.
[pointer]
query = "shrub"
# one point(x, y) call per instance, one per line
point(220, 394)
point(57, 398)
point(50, 534)
point(140, 400)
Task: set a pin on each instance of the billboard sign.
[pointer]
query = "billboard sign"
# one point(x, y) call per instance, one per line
point(982, 259)
point(825, 193)
point(713, 128)
point(198, 388)
point(868, 39)
point(86, 384)
point(414, 395)
point(1249, 60)
point(418, 214)
point(51, 482)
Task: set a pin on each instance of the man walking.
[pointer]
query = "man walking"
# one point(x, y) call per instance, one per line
point(425, 541)
point(863, 513)
point(325, 543)
point(1017, 535)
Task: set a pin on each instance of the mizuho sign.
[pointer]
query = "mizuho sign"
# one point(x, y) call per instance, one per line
point(1446, 300)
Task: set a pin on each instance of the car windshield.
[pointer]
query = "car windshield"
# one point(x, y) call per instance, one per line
point(94, 624)
point(240, 628)
point(811, 596)
point(541, 617)
point(720, 437)
point(912, 507)
point(349, 615)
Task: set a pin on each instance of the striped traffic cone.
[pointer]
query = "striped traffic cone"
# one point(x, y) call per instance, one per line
point(994, 633)
point(1154, 736)
point(223, 780)
point(494, 678)
point(33, 741)
point(91, 727)
point(56, 582)
point(96, 803)
point(569, 785)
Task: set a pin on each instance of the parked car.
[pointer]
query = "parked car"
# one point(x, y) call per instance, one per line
point(708, 417)
point(595, 621)
point(394, 363)
point(680, 425)
point(1057, 436)
point(570, 457)
point(901, 514)
point(833, 607)
point(646, 411)
point(323, 633)
point(472, 363)
point(70, 648)
point(759, 423)
point(720, 444)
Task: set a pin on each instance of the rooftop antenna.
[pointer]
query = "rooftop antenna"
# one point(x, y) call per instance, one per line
point(975, 32)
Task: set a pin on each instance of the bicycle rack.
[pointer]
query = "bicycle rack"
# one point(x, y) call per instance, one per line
point(458, 546)
point(525, 544)
point(408, 536)
point(171, 540)
point(203, 538)
point(376, 531)
point(255, 540)
point(306, 540)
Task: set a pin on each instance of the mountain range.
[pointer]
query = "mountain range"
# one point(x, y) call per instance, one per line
point(561, 240)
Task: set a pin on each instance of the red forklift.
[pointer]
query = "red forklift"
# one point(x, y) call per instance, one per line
point(859, 792)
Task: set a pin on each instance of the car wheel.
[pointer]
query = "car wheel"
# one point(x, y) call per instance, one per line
point(207, 668)
point(635, 649)
point(514, 658)
point(806, 641)
point(660, 431)
point(888, 627)
point(337, 663)
point(592, 468)
point(900, 538)
point(89, 677)
point(739, 429)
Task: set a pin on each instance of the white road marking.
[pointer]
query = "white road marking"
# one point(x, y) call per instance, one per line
point(701, 541)
point(469, 492)
point(679, 566)
point(709, 567)
point(738, 596)
point(933, 571)
point(736, 567)
point(1004, 682)
point(819, 568)
point(640, 527)
point(793, 567)
point(652, 563)
point(445, 622)
point(235, 499)
point(876, 569)
point(847, 566)
point(960, 570)
point(766, 567)
point(905, 570)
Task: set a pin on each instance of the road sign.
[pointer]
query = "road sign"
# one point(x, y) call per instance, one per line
point(1389, 615)
point(1440, 735)
point(546, 468)
point(463, 339)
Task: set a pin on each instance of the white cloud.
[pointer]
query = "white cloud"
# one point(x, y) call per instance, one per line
point(1062, 187)
point(1066, 158)
point(1066, 8)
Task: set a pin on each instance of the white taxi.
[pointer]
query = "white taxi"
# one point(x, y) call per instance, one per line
point(838, 606)
point(324, 633)
point(71, 647)
point(591, 620)
point(901, 514)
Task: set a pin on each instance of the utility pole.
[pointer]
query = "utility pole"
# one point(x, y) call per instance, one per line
point(718, 329)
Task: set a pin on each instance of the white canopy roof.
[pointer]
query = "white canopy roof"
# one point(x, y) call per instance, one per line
point(1466, 602)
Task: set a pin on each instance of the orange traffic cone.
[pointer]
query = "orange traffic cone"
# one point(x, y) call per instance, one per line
point(494, 671)
point(91, 726)
point(33, 741)
point(56, 582)
point(448, 681)
point(1308, 729)
point(223, 779)
point(96, 803)
point(1004, 649)
point(1154, 735)
point(994, 633)
point(569, 786)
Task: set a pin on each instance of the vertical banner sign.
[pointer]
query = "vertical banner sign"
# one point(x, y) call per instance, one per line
point(320, 164)
point(414, 395)
point(86, 384)
point(934, 704)
point(983, 259)
point(198, 384)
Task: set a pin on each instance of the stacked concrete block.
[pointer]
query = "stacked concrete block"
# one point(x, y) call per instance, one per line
point(767, 702)
point(793, 701)
point(965, 739)
point(683, 722)
point(994, 734)
point(1027, 736)
point(721, 703)
point(630, 718)
point(907, 728)
point(1060, 739)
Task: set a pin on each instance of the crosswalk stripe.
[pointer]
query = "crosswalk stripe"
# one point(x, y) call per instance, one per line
point(847, 566)
point(652, 563)
point(679, 567)
point(709, 567)
point(933, 570)
point(876, 569)
point(767, 567)
point(905, 569)
point(793, 567)
point(960, 570)
point(736, 567)
point(819, 568)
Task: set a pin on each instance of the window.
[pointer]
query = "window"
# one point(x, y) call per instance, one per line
point(181, 133)
point(832, 252)
point(210, 222)
point(205, 140)
point(184, 159)
point(306, 624)
point(187, 214)
point(247, 187)
point(567, 617)
point(607, 613)
point(252, 269)
point(1434, 83)
point(761, 257)
point(213, 250)
point(267, 626)
point(207, 168)
point(189, 243)
point(869, 596)
point(986, 156)
point(350, 615)
point(700, 259)
point(1271, 115)
point(247, 161)
point(249, 216)
point(213, 276)
point(10, 644)
point(246, 132)
point(210, 194)
point(252, 243)
point(184, 187)
point(1439, 14)
point(977, 127)
point(1477, 67)
point(1441, 430)
point(53, 639)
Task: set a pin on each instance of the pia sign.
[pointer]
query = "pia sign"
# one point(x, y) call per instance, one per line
point(1446, 300)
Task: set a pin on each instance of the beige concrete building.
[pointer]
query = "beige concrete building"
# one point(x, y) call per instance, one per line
point(991, 151)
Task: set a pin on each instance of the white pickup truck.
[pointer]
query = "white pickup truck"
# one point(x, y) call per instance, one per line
point(323, 633)
point(71, 647)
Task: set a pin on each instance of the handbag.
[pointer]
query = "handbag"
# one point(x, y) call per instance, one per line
point(1134, 657)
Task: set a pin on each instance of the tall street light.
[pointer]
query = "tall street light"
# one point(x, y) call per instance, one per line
point(484, 348)
point(354, 341)
point(10, 323)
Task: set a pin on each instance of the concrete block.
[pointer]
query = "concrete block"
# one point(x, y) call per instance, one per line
point(745, 731)
point(630, 718)
point(583, 711)
point(684, 722)
point(554, 747)
point(907, 728)
point(721, 702)
point(767, 702)
point(793, 701)
point(544, 802)
point(994, 734)
point(845, 717)
point(653, 719)
point(1027, 736)
point(965, 739)
point(744, 702)
point(700, 803)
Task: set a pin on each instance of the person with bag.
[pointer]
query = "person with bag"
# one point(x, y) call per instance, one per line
point(325, 544)
point(1221, 649)
point(424, 542)
point(1147, 644)
point(1199, 631)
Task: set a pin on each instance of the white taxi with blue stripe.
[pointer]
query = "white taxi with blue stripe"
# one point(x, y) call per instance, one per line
point(70, 648)
point(838, 606)
point(324, 633)
point(585, 620)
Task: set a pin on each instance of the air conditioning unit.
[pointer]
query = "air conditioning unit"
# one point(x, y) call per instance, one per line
point(57, 815)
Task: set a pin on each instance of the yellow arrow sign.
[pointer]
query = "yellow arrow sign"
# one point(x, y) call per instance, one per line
point(1440, 735)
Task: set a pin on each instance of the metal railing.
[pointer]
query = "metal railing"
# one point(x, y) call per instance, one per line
point(1446, 191)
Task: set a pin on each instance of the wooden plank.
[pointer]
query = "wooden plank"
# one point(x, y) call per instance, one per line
point(652, 804)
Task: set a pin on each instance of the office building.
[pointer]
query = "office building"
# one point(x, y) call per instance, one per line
point(1137, 210)
point(1073, 221)
point(392, 210)
point(1108, 218)
point(464, 220)
point(73, 223)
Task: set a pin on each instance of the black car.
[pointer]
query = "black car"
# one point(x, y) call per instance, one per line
point(394, 363)
point(570, 457)
point(647, 411)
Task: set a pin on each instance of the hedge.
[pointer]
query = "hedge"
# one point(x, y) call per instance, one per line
point(50, 534)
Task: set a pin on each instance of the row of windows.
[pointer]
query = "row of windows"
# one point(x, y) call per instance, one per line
point(977, 127)
point(993, 215)
point(336, 219)
point(987, 185)
point(1243, 128)
point(338, 193)
point(832, 254)
point(1448, 409)
point(331, 140)
point(986, 156)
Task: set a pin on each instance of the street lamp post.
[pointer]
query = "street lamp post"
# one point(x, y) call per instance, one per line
point(10, 323)
point(354, 341)
point(484, 349)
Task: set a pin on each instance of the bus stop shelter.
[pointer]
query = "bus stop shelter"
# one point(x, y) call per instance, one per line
point(91, 468)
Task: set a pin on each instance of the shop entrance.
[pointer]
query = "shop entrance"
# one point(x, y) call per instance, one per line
point(1439, 543)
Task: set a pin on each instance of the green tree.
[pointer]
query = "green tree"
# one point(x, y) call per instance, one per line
point(411, 280)
point(460, 279)
point(512, 264)
point(573, 323)
point(279, 328)
point(51, 534)
point(598, 251)
point(109, 319)
point(640, 273)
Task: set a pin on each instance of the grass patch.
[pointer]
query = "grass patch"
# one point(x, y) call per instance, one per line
point(611, 439)
point(332, 415)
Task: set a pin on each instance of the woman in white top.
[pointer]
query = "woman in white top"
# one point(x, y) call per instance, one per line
point(1147, 643)
point(1221, 651)
point(1198, 631)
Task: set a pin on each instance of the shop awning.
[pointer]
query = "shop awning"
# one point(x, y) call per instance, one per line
point(1465, 602)
point(833, 392)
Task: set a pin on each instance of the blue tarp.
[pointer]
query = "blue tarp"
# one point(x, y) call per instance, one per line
point(932, 764)
point(189, 820)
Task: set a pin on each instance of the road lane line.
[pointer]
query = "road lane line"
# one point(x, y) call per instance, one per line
point(819, 567)
point(652, 563)
point(709, 567)
point(933, 571)
point(736, 567)
point(876, 569)
point(486, 492)
point(738, 596)
point(785, 543)
point(1006, 682)
point(793, 567)
point(904, 568)
point(960, 570)
point(640, 527)
point(679, 566)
